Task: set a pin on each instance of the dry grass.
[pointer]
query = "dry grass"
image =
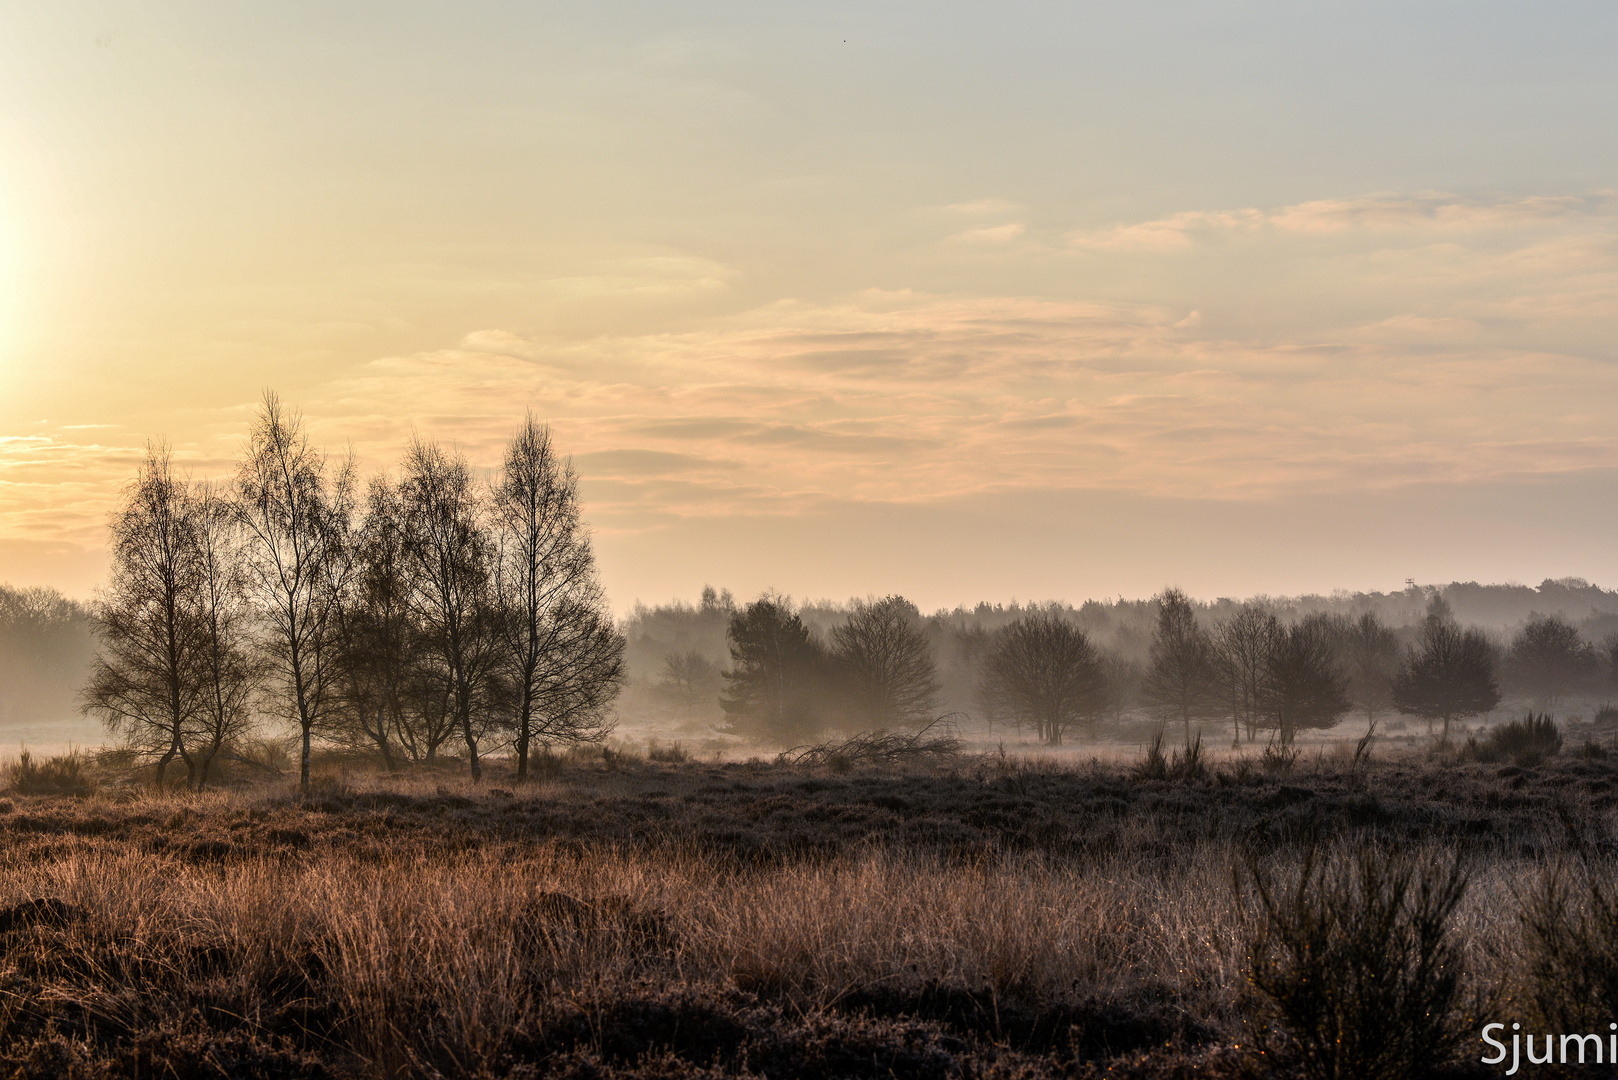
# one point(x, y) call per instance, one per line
point(641, 918)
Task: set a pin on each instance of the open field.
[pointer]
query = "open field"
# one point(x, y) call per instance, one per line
point(624, 917)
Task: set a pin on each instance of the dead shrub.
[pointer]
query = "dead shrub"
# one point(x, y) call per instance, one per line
point(937, 741)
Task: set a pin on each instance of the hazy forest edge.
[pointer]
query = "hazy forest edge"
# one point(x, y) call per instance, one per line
point(452, 610)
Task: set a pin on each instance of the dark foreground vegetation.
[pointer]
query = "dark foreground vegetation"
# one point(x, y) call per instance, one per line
point(1327, 915)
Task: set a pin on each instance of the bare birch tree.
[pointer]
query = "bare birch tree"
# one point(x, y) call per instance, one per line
point(1243, 643)
point(378, 632)
point(452, 575)
point(296, 513)
point(144, 681)
point(230, 668)
point(564, 655)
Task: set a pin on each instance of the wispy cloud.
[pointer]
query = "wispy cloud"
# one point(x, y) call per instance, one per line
point(1414, 216)
point(991, 234)
point(1480, 351)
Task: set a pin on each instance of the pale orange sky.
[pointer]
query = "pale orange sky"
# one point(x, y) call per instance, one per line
point(941, 300)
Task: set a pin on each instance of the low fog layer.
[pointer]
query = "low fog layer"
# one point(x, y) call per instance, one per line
point(677, 653)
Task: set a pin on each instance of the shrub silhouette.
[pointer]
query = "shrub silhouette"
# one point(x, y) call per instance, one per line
point(1279, 758)
point(1155, 765)
point(62, 774)
point(1351, 963)
point(1159, 766)
point(1570, 928)
point(1526, 742)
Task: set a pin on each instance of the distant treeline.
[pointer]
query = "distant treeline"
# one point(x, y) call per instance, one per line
point(46, 645)
point(780, 672)
point(432, 614)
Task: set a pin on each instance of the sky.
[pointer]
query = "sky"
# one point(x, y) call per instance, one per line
point(957, 300)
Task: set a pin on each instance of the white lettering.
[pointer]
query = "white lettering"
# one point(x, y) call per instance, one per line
point(1500, 1046)
point(1581, 1040)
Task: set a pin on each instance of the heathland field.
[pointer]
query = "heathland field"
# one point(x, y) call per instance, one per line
point(958, 916)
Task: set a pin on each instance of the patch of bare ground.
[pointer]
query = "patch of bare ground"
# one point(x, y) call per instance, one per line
point(624, 918)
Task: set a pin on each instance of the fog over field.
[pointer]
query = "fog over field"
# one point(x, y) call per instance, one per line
point(677, 652)
point(845, 540)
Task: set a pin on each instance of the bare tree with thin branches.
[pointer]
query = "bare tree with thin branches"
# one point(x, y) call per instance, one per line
point(1448, 674)
point(689, 678)
point(144, 683)
point(1043, 670)
point(231, 667)
point(296, 512)
point(1371, 653)
point(564, 654)
point(1548, 657)
point(1182, 681)
point(1242, 644)
point(890, 677)
point(452, 574)
point(1302, 687)
point(378, 629)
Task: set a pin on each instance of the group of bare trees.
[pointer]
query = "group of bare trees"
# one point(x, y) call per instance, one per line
point(1255, 671)
point(784, 685)
point(875, 667)
point(441, 609)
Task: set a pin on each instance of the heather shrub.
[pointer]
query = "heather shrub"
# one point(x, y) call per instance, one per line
point(1526, 742)
point(61, 774)
point(1278, 758)
point(1351, 965)
point(1570, 935)
point(673, 753)
point(1155, 765)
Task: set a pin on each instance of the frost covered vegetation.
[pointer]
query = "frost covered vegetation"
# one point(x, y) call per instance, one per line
point(389, 793)
point(950, 916)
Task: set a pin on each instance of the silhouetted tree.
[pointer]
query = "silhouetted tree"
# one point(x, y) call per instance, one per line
point(1548, 658)
point(1447, 675)
point(563, 652)
point(146, 682)
point(379, 634)
point(1371, 660)
point(1243, 644)
point(231, 667)
point(296, 514)
point(1182, 680)
point(777, 673)
point(452, 573)
point(1042, 670)
point(1302, 686)
point(889, 676)
point(690, 679)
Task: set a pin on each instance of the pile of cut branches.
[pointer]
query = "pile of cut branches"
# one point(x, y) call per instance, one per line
point(937, 741)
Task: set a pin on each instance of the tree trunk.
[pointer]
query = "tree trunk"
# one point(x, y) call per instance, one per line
point(471, 740)
point(381, 737)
